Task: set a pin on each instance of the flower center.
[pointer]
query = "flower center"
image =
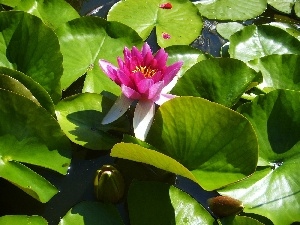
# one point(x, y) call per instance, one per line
point(146, 71)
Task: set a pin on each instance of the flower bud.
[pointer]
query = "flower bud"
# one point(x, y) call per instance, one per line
point(223, 206)
point(109, 184)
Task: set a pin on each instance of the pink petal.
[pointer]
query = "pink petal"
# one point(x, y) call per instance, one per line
point(130, 93)
point(170, 85)
point(145, 49)
point(124, 78)
point(144, 85)
point(143, 117)
point(171, 72)
point(164, 98)
point(161, 56)
point(137, 77)
point(117, 110)
point(108, 68)
point(157, 76)
point(155, 90)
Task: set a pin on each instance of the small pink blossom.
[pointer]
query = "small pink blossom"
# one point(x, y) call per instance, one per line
point(167, 5)
point(166, 35)
point(144, 77)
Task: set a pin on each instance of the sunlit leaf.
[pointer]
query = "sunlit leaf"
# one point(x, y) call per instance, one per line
point(29, 134)
point(231, 9)
point(222, 80)
point(138, 153)
point(280, 72)
point(285, 6)
point(22, 220)
point(227, 29)
point(49, 11)
point(158, 203)
point(36, 90)
point(31, 47)
point(275, 186)
point(254, 42)
point(91, 213)
point(179, 25)
point(189, 55)
point(86, 40)
point(10, 3)
point(80, 117)
point(216, 144)
point(238, 220)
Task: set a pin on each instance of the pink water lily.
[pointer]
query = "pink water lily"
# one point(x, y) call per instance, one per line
point(144, 77)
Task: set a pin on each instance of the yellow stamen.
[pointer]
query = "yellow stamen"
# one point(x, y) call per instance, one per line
point(146, 71)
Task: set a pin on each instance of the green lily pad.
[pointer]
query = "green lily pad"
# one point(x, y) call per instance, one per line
point(182, 22)
point(222, 80)
point(10, 84)
point(288, 27)
point(285, 6)
point(86, 40)
point(228, 29)
point(280, 72)
point(238, 220)
point(80, 118)
point(138, 153)
point(274, 186)
point(91, 213)
point(216, 144)
point(11, 3)
point(49, 11)
point(253, 42)
point(22, 220)
point(231, 9)
point(297, 8)
point(36, 91)
point(189, 55)
point(159, 203)
point(34, 137)
point(29, 46)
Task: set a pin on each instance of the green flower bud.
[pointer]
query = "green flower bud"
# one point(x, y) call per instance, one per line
point(223, 206)
point(109, 184)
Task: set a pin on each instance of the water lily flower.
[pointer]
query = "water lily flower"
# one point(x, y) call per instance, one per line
point(143, 77)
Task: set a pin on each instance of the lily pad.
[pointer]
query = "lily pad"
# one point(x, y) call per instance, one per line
point(228, 29)
point(22, 220)
point(253, 42)
point(49, 11)
point(138, 153)
point(231, 9)
point(237, 220)
point(285, 6)
point(216, 144)
point(36, 90)
point(80, 118)
point(90, 213)
point(29, 46)
point(159, 203)
point(275, 118)
point(280, 72)
point(222, 80)
point(86, 40)
point(179, 24)
point(34, 138)
point(189, 55)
